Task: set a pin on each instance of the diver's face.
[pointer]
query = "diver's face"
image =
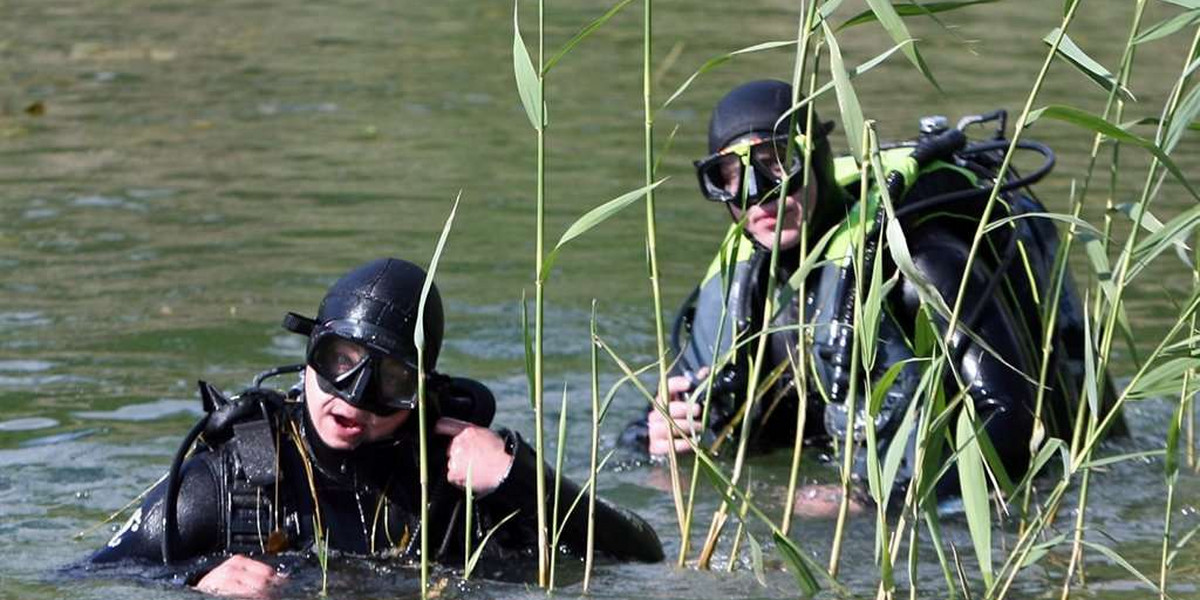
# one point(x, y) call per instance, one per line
point(761, 218)
point(340, 425)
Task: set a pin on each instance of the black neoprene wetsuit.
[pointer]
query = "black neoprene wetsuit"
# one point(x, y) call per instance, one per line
point(233, 499)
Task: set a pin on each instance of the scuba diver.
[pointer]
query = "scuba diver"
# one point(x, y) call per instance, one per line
point(334, 461)
point(939, 185)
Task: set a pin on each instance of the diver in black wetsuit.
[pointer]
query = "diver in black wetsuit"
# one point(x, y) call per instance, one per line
point(940, 186)
point(336, 459)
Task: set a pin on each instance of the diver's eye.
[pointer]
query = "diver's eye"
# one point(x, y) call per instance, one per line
point(397, 379)
point(338, 356)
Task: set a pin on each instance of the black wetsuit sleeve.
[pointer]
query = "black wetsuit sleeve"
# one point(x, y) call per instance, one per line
point(619, 533)
point(198, 511)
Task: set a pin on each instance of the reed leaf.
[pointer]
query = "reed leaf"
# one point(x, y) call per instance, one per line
point(1162, 236)
point(1093, 248)
point(528, 344)
point(795, 560)
point(1162, 379)
point(880, 388)
point(1069, 51)
point(1112, 460)
point(483, 543)
point(419, 343)
point(527, 77)
point(1169, 26)
point(1192, 4)
point(912, 10)
point(583, 34)
point(828, 8)
point(1183, 119)
point(1120, 560)
point(1040, 550)
point(859, 70)
point(756, 560)
point(1171, 454)
point(975, 493)
point(1086, 120)
point(895, 454)
point(1068, 219)
point(872, 311)
point(1045, 453)
point(715, 62)
point(894, 25)
point(852, 115)
point(593, 218)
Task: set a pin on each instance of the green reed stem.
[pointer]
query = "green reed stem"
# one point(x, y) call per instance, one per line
point(660, 343)
point(560, 451)
point(835, 552)
point(1172, 472)
point(589, 555)
point(539, 309)
point(800, 374)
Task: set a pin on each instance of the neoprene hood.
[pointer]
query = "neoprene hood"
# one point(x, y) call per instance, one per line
point(376, 304)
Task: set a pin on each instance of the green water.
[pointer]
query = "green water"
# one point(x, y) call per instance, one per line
point(202, 168)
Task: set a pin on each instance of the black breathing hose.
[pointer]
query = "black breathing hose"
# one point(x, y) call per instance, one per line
point(170, 521)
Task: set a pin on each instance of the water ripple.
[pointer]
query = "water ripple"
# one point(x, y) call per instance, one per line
point(147, 411)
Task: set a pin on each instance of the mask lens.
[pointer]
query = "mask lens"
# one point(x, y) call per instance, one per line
point(397, 384)
point(767, 157)
point(334, 357)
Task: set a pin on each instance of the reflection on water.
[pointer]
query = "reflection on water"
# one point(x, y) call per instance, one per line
point(199, 169)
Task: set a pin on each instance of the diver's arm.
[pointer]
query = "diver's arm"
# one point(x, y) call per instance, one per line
point(198, 511)
point(619, 532)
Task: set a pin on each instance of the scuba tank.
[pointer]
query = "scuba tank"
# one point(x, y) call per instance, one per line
point(938, 146)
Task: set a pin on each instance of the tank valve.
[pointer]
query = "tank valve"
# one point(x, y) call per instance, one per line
point(933, 125)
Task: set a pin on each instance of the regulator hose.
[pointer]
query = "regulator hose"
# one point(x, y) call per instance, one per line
point(170, 520)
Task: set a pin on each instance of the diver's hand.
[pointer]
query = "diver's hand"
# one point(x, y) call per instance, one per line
point(685, 414)
point(477, 446)
point(823, 501)
point(242, 577)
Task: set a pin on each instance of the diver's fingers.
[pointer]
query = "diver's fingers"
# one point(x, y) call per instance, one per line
point(684, 410)
point(659, 447)
point(677, 385)
point(243, 577)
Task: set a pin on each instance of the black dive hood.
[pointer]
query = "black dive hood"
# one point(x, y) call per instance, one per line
point(375, 305)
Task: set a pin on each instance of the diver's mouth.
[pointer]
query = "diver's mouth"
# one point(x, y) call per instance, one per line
point(347, 423)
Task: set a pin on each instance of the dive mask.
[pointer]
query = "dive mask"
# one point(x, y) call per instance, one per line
point(752, 168)
point(351, 362)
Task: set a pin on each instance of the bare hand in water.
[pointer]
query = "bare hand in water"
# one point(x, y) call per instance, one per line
point(685, 414)
point(242, 577)
point(822, 501)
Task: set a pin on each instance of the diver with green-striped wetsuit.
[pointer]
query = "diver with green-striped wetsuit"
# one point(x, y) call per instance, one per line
point(939, 185)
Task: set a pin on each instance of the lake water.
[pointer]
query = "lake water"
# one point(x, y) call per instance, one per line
point(178, 175)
